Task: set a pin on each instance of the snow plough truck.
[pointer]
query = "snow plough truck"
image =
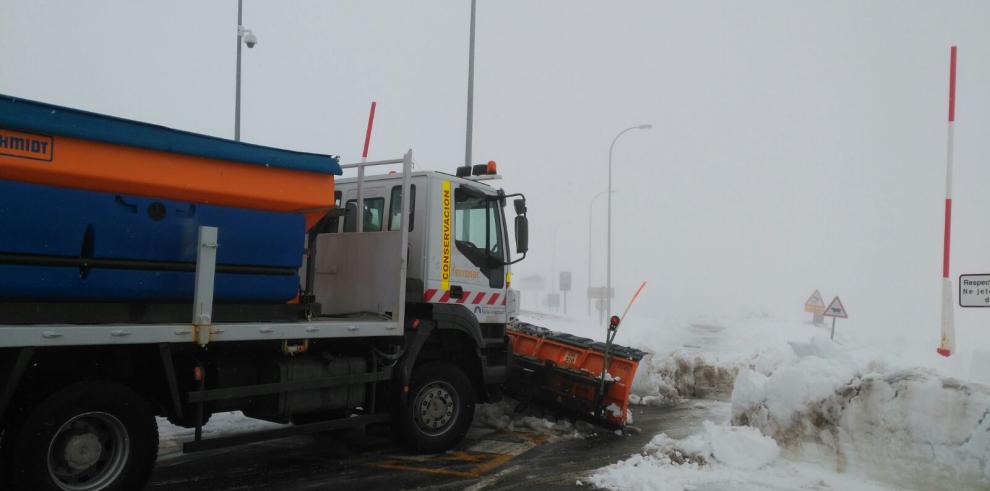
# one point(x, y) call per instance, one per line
point(146, 272)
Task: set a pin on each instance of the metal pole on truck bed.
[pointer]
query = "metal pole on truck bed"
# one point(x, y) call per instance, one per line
point(400, 314)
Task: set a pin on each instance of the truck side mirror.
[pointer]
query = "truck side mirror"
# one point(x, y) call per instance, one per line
point(520, 205)
point(522, 232)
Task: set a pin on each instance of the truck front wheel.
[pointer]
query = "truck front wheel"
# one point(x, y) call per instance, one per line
point(439, 408)
point(88, 436)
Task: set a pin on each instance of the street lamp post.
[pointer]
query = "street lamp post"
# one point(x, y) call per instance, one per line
point(608, 253)
point(591, 207)
point(248, 38)
point(470, 90)
point(554, 275)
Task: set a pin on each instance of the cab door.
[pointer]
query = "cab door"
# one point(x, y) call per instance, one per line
point(478, 253)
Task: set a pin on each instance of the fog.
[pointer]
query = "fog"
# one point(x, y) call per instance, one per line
point(795, 145)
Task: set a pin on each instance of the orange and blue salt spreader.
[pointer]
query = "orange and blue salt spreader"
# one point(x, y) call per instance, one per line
point(96, 207)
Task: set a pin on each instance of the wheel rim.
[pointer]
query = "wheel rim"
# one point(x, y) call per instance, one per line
point(88, 452)
point(436, 408)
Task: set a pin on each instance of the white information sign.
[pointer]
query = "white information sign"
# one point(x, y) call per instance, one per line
point(974, 290)
point(600, 292)
point(565, 281)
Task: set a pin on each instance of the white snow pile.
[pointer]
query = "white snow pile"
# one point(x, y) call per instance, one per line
point(712, 455)
point(740, 447)
point(718, 457)
point(681, 374)
point(911, 427)
point(700, 358)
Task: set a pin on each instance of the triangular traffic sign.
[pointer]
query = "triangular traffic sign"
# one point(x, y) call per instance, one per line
point(836, 309)
point(815, 303)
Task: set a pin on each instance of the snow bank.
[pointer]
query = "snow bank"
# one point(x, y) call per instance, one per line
point(912, 427)
point(854, 405)
point(717, 457)
point(707, 355)
point(680, 375)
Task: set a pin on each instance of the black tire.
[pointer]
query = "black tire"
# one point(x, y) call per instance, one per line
point(92, 435)
point(439, 408)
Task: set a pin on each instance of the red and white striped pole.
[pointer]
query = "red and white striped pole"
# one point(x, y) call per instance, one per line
point(367, 134)
point(360, 176)
point(947, 344)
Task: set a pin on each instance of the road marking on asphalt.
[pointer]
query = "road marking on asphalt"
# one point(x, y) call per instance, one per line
point(477, 461)
point(500, 447)
point(492, 479)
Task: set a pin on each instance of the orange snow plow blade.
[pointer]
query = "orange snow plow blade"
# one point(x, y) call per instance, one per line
point(565, 371)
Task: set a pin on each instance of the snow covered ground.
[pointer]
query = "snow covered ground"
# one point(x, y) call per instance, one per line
point(171, 437)
point(848, 414)
point(503, 415)
point(720, 458)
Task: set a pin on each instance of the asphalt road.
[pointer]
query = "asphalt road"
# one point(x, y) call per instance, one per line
point(488, 459)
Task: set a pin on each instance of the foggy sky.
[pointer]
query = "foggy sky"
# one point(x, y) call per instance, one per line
point(796, 145)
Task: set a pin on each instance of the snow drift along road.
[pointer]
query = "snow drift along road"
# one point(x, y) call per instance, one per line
point(911, 427)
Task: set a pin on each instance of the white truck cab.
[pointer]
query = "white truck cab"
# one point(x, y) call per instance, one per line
point(458, 237)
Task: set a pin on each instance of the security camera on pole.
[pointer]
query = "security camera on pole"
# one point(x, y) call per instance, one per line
point(248, 38)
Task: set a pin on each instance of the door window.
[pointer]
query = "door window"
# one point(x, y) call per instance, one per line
point(478, 234)
point(395, 208)
point(374, 210)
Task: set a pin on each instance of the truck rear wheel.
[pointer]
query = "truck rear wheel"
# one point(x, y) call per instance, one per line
point(88, 436)
point(439, 408)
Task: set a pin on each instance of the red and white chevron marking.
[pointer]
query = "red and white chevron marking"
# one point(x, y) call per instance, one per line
point(468, 298)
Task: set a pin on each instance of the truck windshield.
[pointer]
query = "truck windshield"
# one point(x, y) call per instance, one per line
point(478, 233)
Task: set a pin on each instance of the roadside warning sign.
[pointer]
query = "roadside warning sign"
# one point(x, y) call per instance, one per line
point(836, 309)
point(815, 304)
point(974, 290)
